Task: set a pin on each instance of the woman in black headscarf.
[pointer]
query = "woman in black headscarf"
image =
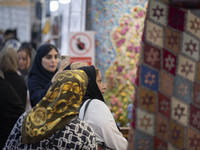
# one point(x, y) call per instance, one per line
point(43, 69)
point(98, 114)
point(53, 123)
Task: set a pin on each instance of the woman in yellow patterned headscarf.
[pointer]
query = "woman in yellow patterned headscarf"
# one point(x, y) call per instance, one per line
point(53, 122)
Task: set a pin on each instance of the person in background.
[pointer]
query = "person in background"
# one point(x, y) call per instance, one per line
point(1, 37)
point(9, 66)
point(44, 68)
point(10, 39)
point(65, 66)
point(96, 113)
point(26, 55)
point(9, 33)
point(11, 108)
point(53, 123)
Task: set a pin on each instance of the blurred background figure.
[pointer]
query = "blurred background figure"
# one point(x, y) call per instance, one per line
point(10, 39)
point(26, 55)
point(1, 37)
point(9, 66)
point(11, 107)
point(43, 69)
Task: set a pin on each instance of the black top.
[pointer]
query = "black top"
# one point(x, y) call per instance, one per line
point(39, 78)
point(11, 108)
point(18, 84)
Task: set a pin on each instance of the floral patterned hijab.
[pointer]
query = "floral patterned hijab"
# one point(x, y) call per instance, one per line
point(59, 106)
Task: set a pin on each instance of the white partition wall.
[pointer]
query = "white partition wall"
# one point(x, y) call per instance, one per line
point(16, 17)
point(21, 14)
point(74, 15)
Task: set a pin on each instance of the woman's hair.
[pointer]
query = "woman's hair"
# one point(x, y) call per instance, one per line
point(11, 33)
point(50, 47)
point(27, 49)
point(8, 60)
point(44, 50)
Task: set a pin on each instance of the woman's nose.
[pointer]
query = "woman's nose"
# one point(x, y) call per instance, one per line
point(105, 86)
point(54, 59)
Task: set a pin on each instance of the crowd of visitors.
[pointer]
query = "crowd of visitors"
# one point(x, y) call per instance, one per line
point(46, 103)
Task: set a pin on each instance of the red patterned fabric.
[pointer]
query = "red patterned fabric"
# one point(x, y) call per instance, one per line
point(167, 101)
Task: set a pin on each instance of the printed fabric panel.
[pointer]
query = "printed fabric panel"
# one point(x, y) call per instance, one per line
point(74, 136)
point(167, 100)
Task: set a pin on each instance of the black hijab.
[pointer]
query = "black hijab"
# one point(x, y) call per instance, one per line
point(37, 68)
point(92, 91)
point(38, 73)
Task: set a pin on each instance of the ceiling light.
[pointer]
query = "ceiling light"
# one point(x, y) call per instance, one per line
point(64, 1)
point(54, 5)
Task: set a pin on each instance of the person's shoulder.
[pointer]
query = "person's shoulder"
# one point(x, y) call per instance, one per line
point(99, 106)
point(98, 102)
point(21, 79)
point(10, 76)
point(3, 83)
point(78, 121)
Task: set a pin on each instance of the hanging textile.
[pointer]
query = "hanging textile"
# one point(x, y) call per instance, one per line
point(167, 99)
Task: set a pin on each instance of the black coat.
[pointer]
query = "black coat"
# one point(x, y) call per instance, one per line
point(11, 108)
point(39, 78)
point(18, 84)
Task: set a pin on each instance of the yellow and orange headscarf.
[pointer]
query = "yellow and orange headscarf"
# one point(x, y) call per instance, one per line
point(59, 106)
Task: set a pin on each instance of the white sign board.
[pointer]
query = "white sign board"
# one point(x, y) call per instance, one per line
point(82, 47)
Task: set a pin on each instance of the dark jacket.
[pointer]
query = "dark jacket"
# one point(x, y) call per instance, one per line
point(39, 78)
point(11, 108)
point(18, 84)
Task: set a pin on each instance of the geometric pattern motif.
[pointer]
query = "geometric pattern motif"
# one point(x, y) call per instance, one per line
point(190, 46)
point(167, 99)
point(182, 89)
point(145, 122)
point(166, 84)
point(172, 40)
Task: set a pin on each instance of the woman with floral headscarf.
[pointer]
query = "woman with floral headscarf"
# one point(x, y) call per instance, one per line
point(53, 123)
